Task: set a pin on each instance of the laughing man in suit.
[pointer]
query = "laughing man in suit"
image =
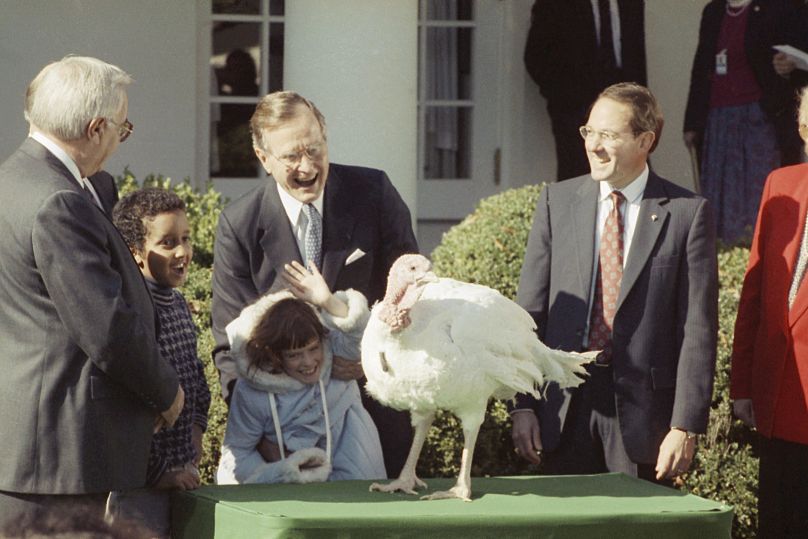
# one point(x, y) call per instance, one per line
point(648, 394)
point(365, 226)
point(83, 383)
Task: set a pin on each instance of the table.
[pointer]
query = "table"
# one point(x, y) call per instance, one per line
point(605, 505)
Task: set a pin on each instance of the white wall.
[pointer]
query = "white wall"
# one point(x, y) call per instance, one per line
point(357, 61)
point(153, 40)
point(671, 36)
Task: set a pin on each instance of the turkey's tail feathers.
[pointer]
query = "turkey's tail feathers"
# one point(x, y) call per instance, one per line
point(567, 369)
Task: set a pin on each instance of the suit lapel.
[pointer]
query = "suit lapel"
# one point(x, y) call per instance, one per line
point(338, 222)
point(650, 221)
point(584, 211)
point(277, 238)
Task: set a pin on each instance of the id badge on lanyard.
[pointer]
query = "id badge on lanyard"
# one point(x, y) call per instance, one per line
point(721, 62)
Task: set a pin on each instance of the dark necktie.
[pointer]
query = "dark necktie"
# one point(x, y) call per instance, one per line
point(606, 45)
point(314, 235)
point(89, 194)
point(607, 284)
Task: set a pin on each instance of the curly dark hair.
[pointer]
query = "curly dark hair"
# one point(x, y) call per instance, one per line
point(132, 211)
point(288, 324)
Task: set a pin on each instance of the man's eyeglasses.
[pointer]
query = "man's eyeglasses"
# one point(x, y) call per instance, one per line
point(292, 160)
point(605, 135)
point(124, 129)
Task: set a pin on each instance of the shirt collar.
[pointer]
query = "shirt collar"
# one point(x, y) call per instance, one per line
point(292, 206)
point(60, 154)
point(633, 191)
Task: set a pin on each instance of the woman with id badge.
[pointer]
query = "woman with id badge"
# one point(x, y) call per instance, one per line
point(738, 108)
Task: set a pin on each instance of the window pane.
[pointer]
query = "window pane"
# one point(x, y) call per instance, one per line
point(275, 57)
point(276, 7)
point(448, 57)
point(447, 142)
point(244, 7)
point(236, 53)
point(450, 10)
point(231, 153)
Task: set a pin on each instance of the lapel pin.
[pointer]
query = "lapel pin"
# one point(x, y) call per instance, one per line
point(654, 217)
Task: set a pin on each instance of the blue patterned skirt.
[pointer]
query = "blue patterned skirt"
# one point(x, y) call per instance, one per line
point(740, 149)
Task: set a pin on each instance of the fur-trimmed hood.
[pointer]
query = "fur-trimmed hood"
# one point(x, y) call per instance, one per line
point(240, 330)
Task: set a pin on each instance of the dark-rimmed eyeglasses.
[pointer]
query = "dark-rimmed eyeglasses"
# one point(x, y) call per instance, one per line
point(124, 129)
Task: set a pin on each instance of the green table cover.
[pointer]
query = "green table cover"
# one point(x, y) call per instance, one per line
point(607, 505)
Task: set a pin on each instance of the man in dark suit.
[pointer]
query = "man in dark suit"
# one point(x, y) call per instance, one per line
point(575, 49)
point(362, 226)
point(105, 189)
point(83, 384)
point(636, 279)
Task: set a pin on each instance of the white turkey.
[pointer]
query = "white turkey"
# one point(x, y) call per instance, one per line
point(441, 344)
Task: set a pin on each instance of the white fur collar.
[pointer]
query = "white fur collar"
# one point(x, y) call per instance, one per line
point(240, 330)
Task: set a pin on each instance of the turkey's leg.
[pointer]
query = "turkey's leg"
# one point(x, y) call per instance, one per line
point(462, 488)
point(407, 481)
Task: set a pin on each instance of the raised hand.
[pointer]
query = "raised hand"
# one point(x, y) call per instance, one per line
point(306, 284)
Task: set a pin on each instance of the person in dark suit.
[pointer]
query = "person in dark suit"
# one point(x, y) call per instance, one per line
point(739, 117)
point(106, 191)
point(572, 55)
point(83, 384)
point(362, 226)
point(637, 280)
point(768, 380)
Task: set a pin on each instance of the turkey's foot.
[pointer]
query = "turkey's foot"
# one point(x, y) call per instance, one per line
point(457, 491)
point(402, 484)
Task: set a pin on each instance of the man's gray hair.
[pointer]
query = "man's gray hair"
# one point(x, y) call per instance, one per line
point(66, 95)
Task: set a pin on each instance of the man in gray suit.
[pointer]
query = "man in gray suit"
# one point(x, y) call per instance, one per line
point(83, 384)
point(634, 274)
point(362, 226)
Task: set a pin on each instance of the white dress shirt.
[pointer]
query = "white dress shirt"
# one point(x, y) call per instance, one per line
point(294, 211)
point(631, 210)
point(68, 162)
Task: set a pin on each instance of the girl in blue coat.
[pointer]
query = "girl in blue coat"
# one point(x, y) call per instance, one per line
point(283, 352)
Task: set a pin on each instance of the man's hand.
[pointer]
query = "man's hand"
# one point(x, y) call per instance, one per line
point(675, 454)
point(783, 64)
point(742, 409)
point(527, 436)
point(186, 478)
point(345, 369)
point(269, 451)
point(691, 139)
point(196, 440)
point(168, 417)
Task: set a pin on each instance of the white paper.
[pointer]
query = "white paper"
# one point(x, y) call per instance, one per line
point(800, 57)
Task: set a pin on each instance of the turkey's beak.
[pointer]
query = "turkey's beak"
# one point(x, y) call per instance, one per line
point(427, 277)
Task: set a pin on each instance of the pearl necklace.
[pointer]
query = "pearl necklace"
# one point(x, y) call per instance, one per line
point(732, 13)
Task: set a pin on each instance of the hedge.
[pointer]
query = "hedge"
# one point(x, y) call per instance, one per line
point(487, 248)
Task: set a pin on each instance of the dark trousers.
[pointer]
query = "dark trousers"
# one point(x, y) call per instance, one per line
point(22, 511)
point(591, 441)
point(783, 489)
point(395, 432)
point(570, 152)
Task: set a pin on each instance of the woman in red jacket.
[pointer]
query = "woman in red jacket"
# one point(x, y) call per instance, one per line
point(769, 378)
